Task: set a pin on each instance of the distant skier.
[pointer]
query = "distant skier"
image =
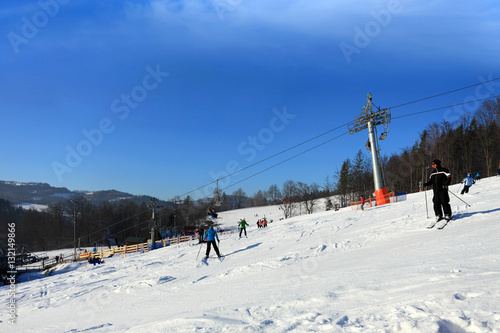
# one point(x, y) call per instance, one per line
point(468, 182)
point(211, 212)
point(242, 225)
point(362, 202)
point(200, 235)
point(440, 178)
point(477, 176)
point(210, 237)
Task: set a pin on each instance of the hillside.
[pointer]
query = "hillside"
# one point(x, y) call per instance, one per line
point(32, 194)
point(380, 270)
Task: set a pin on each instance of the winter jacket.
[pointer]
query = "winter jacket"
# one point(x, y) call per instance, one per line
point(468, 181)
point(439, 179)
point(242, 224)
point(211, 235)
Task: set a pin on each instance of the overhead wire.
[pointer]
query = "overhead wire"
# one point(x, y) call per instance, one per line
point(397, 117)
point(336, 128)
point(445, 107)
point(268, 158)
point(444, 93)
point(286, 160)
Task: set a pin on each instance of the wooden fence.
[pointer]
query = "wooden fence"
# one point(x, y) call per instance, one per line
point(140, 247)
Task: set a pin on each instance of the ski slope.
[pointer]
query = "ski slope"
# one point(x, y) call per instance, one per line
point(380, 270)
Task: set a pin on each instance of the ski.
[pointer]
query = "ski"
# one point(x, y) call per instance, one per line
point(444, 225)
point(221, 258)
point(434, 223)
point(440, 224)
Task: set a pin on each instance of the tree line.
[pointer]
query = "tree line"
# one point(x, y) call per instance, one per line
point(56, 227)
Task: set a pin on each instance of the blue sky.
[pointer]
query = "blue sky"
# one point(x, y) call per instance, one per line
point(162, 97)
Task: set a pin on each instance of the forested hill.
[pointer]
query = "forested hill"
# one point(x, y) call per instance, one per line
point(45, 194)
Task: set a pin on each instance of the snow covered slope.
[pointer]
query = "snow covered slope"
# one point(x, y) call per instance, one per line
point(380, 270)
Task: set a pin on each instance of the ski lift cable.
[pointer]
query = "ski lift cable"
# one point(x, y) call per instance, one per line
point(288, 149)
point(397, 117)
point(445, 107)
point(286, 160)
point(445, 93)
point(350, 122)
point(268, 158)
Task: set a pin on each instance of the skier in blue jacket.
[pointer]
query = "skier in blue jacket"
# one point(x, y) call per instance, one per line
point(210, 237)
point(468, 182)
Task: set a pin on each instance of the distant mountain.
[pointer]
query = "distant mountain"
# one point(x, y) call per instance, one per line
point(44, 194)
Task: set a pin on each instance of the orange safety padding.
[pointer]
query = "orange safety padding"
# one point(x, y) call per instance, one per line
point(382, 196)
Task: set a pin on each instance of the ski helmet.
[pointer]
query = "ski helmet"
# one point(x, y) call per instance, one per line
point(436, 162)
point(469, 175)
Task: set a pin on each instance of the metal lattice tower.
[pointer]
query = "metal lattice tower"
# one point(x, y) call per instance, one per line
point(154, 223)
point(370, 119)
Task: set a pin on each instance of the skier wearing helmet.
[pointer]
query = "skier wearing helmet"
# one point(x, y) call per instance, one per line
point(467, 181)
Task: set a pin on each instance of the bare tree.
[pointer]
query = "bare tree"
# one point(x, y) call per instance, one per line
point(239, 196)
point(307, 195)
point(274, 195)
point(289, 193)
point(259, 199)
point(486, 117)
point(328, 185)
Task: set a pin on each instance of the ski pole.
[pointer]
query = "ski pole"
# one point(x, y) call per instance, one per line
point(459, 188)
point(459, 198)
point(201, 244)
point(426, 209)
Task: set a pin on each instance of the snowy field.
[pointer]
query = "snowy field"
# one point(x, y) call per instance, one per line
point(380, 270)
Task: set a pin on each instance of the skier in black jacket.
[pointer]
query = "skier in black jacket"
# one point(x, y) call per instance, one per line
point(440, 179)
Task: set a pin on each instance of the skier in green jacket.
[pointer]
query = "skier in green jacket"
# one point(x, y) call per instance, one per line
point(242, 225)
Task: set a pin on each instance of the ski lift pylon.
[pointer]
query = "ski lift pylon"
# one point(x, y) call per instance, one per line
point(217, 200)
